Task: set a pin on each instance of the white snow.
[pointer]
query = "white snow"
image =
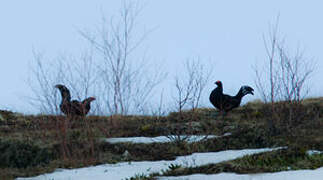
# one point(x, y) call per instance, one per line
point(129, 169)
point(312, 152)
point(161, 139)
point(316, 174)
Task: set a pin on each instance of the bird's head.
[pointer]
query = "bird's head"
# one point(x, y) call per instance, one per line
point(218, 83)
point(247, 90)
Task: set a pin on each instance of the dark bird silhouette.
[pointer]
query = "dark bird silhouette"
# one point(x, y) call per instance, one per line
point(225, 102)
point(74, 107)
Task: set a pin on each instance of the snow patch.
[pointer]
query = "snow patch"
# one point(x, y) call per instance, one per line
point(312, 152)
point(128, 169)
point(161, 139)
point(316, 174)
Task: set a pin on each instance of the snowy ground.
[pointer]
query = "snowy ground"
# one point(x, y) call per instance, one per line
point(162, 139)
point(316, 174)
point(129, 169)
point(284, 175)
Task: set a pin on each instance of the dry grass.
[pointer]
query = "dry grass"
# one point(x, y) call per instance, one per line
point(75, 142)
point(279, 160)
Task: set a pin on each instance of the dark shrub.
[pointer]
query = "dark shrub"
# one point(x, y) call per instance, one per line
point(17, 154)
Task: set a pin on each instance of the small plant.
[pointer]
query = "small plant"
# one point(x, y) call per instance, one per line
point(140, 177)
point(146, 127)
point(174, 166)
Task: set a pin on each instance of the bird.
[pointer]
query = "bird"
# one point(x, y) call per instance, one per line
point(74, 107)
point(226, 103)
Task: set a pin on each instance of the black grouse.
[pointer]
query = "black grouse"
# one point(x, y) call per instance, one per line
point(225, 102)
point(73, 108)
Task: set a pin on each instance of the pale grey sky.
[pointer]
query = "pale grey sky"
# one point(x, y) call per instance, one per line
point(229, 33)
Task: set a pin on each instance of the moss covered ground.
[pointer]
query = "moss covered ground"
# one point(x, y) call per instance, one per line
point(35, 144)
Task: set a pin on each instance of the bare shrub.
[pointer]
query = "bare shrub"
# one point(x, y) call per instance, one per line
point(189, 87)
point(284, 77)
point(128, 81)
point(110, 71)
point(79, 75)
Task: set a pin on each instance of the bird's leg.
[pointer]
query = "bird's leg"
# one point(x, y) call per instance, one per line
point(218, 117)
point(221, 115)
point(68, 121)
point(224, 114)
point(212, 114)
point(222, 124)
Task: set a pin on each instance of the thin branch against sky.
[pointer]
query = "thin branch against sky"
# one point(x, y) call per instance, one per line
point(217, 30)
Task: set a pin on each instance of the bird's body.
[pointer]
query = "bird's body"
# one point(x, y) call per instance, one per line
point(216, 96)
point(225, 102)
point(74, 107)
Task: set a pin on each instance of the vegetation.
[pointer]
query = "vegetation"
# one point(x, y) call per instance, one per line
point(280, 160)
point(32, 145)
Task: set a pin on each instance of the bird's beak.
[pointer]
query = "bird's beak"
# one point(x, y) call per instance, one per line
point(251, 92)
